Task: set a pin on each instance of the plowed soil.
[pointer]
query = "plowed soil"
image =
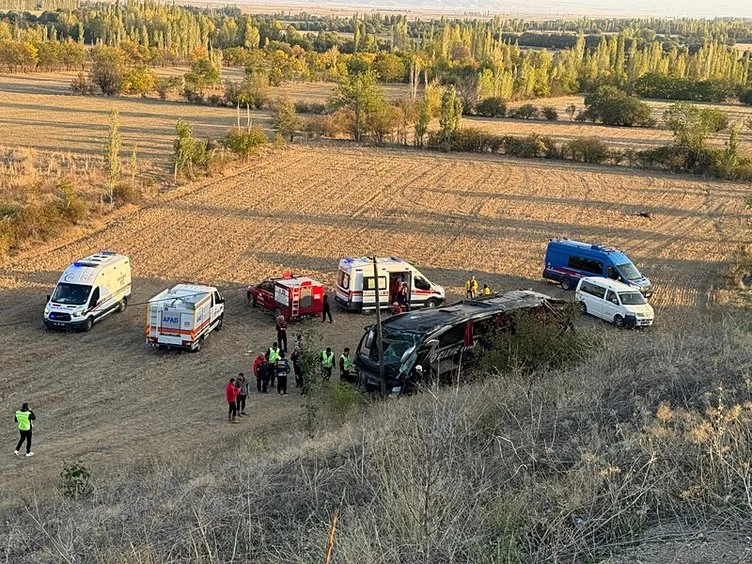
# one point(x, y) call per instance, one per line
point(108, 399)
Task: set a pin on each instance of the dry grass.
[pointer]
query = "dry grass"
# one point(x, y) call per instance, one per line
point(558, 467)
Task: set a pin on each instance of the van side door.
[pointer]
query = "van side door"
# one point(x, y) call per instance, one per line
point(611, 306)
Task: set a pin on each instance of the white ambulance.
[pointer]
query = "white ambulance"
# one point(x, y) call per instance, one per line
point(356, 284)
point(89, 290)
point(181, 317)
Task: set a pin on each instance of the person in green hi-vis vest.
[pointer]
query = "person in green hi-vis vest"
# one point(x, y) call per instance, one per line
point(24, 417)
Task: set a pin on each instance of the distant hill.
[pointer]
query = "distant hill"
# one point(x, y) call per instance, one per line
point(677, 8)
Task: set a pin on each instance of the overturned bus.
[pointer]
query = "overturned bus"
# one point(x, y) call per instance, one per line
point(442, 339)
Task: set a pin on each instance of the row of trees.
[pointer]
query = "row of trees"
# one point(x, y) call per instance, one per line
point(472, 56)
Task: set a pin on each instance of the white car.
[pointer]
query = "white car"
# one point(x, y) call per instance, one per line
point(613, 301)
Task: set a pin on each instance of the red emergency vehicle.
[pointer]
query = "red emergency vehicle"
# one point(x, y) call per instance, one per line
point(294, 297)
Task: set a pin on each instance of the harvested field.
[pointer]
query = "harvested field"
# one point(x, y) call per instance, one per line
point(105, 397)
point(37, 111)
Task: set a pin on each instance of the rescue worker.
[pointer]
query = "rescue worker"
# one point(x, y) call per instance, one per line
point(264, 370)
point(272, 356)
point(256, 372)
point(327, 363)
point(344, 365)
point(282, 369)
point(242, 386)
point(297, 365)
point(23, 418)
point(471, 287)
point(327, 311)
point(231, 394)
point(282, 332)
point(486, 290)
point(403, 298)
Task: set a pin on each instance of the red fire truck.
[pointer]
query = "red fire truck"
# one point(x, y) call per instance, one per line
point(294, 297)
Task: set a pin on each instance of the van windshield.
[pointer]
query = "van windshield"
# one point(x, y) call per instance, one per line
point(629, 271)
point(632, 298)
point(73, 294)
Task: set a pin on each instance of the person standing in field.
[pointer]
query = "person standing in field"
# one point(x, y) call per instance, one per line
point(23, 418)
point(272, 356)
point(231, 394)
point(471, 287)
point(297, 365)
point(242, 386)
point(345, 363)
point(283, 369)
point(256, 372)
point(282, 332)
point(327, 311)
point(327, 363)
point(264, 369)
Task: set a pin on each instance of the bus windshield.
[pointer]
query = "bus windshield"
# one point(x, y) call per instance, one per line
point(72, 294)
point(629, 271)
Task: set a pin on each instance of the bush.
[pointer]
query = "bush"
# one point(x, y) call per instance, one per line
point(81, 85)
point(245, 142)
point(745, 97)
point(523, 147)
point(165, 85)
point(310, 108)
point(75, 481)
point(550, 113)
point(342, 400)
point(611, 106)
point(588, 150)
point(71, 205)
point(526, 111)
point(494, 107)
point(126, 194)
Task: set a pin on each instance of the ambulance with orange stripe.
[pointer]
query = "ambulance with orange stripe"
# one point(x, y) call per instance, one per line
point(356, 284)
point(183, 316)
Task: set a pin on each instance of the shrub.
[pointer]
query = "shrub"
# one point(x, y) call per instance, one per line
point(315, 108)
point(7, 235)
point(165, 85)
point(611, 106)
point(342, 401)
point(126, 194)
point(81, 85)
point(550, 113)
point(745, 97)
point(75, 481)
point(588, 150)
point(526, 111)
point(523, 147)
point(139, 80)
point(245, 142)
point(71, 205)
point(38, 221)
point(491, 107)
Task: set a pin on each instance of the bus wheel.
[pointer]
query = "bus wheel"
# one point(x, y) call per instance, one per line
point(566, 283)
point(431, 303)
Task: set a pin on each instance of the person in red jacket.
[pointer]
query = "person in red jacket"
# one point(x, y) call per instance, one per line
point(260, 359)
point(231, 393)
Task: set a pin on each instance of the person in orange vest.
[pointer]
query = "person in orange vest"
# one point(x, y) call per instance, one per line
point(23, 418)
point(231, 394)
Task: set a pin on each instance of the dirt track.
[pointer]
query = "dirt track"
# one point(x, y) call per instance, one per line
point(106, 398)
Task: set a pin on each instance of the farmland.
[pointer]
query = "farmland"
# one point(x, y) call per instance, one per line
point(450, 215)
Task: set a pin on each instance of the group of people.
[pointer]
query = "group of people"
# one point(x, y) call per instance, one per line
point(472, 289)
point(272, 369)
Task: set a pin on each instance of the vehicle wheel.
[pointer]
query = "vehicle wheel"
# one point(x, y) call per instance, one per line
point(220, 321)
point(618, 321)
point(252, 300)
point(566, 283)
point(121, 306)
point(583, 308)
point(431, 303)
point(88, 324)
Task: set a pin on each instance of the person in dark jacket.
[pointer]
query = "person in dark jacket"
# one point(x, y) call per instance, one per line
point(23, 419)
point(297, 365)
point(327, 311)
point(264, 369)
point(282, 369)
point(256, 363)
point(282, 332)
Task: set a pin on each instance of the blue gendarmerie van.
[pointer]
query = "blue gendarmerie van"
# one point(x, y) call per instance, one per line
point(568, 261)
